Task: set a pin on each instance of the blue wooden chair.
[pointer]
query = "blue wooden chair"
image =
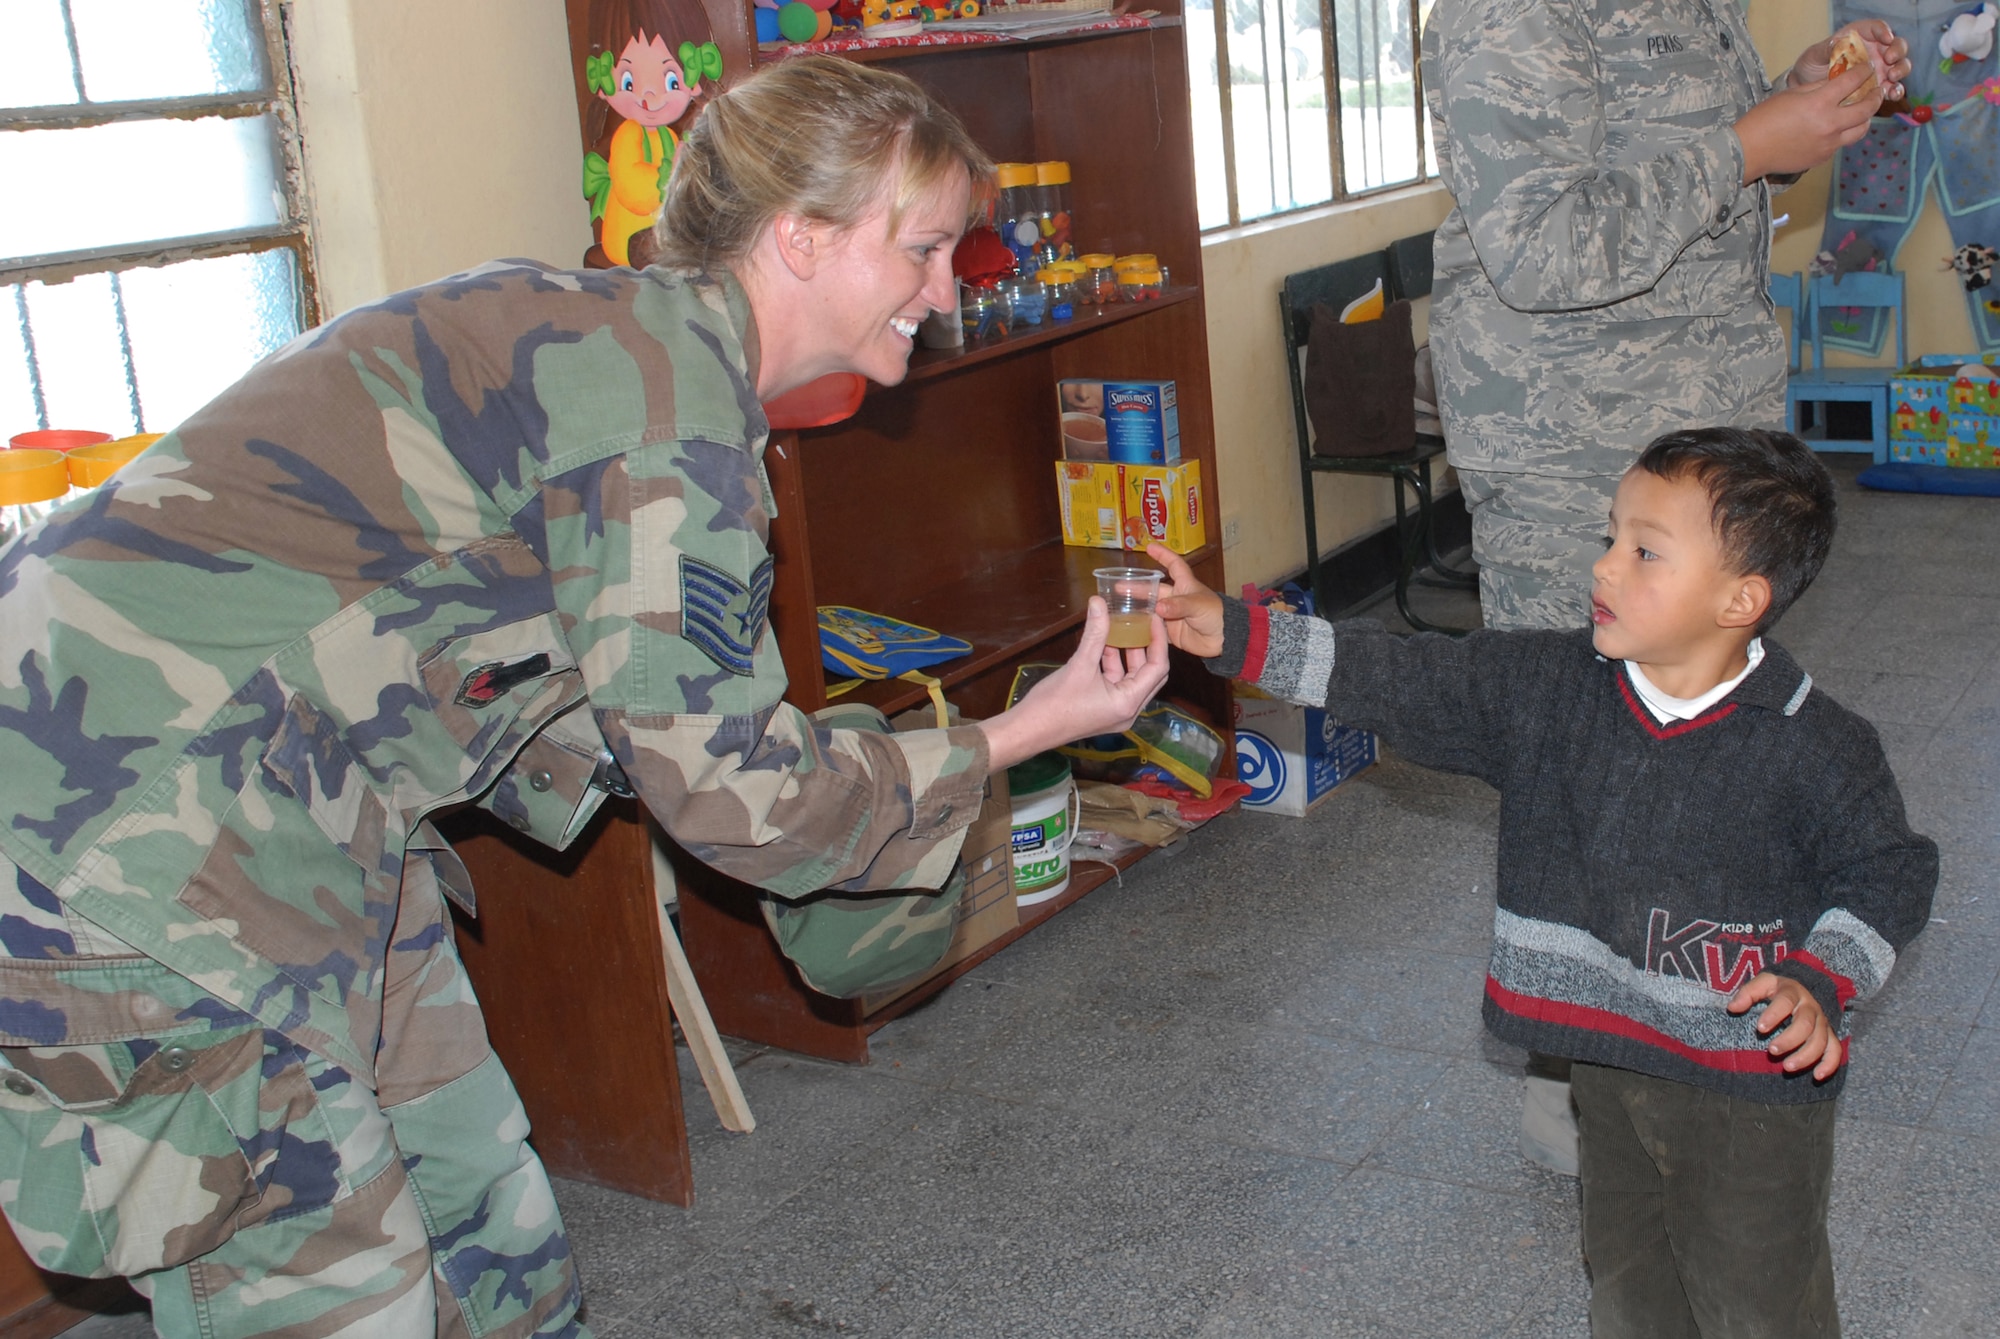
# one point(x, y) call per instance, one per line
point(1789, 291)
point(1820, 384)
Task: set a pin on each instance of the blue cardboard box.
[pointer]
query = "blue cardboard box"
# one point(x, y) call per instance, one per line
point(1944, 409)
point(1291, 756)
point(1125, 422)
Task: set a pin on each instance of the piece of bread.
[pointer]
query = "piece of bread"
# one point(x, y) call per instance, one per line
point(1848, 52)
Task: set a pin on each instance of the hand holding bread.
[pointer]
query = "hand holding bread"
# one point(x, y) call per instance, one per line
point(1850, 52)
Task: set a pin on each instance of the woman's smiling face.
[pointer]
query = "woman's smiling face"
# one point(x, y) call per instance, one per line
point(874, 284)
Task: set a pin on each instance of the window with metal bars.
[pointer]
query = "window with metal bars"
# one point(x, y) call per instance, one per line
point(1301, 102)
point(152, 235)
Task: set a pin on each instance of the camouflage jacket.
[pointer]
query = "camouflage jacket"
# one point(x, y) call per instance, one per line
point(447, 546)
point(1604, 276)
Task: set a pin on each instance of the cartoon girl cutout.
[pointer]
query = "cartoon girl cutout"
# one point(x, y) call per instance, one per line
point(633, 72)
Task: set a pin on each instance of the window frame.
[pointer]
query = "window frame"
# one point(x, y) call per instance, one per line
point(1336, 147)
point(274, 97)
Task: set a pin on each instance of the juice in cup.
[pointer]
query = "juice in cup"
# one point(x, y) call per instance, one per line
point(1129, 593)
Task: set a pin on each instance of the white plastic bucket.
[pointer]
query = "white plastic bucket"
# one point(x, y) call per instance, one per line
point(1045, 810)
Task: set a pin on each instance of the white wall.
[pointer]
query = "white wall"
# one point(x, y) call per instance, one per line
point(1256, 451)
point(438, 134)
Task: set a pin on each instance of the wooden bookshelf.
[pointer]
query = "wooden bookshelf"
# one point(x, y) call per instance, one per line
point(935, 503)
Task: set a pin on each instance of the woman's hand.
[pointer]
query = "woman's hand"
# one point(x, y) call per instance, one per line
point(1890, 54)
point(1097, 691)
point(1192, 611)
point(1802, 126)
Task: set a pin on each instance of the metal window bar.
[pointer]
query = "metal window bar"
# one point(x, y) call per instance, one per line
point(1417, 86)
point(273, 97)
point(1369, 19)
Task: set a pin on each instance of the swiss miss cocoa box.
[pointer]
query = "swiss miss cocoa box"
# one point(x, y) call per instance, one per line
point(1124, 422)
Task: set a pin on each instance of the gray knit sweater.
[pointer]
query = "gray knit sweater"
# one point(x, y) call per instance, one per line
point(1646, 871)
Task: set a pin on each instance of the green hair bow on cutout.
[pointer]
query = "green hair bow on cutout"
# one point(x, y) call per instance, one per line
point(701, 62)
point(597, 73)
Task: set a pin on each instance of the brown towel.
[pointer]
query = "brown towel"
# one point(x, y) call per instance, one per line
point(1361, 383)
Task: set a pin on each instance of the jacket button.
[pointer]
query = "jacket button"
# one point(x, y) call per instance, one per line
point(539, 779)
point(174, 1059)
point(519, 822)
point(1726, 42)
point(944, 812)
point(19, 1085)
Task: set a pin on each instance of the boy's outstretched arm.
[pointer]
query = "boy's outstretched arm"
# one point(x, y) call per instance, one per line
point(1808, 1039)
point(1191, 611)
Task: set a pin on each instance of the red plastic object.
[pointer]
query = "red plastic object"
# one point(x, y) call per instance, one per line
point(832, 398)
point(56, 439)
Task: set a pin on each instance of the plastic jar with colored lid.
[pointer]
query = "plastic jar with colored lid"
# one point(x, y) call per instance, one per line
point(1139, 285)
point(1017, 219)
point(1052, 209)
point(1100, 279)
point(1060, 285)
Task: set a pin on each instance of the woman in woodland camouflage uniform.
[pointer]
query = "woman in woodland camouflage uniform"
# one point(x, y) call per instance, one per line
point(477, 541)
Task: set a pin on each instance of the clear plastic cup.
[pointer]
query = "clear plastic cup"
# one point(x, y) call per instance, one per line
point(1130, 593)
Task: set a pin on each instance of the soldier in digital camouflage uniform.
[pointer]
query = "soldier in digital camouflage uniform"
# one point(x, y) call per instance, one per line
point(474, 541)
point(1604, 278)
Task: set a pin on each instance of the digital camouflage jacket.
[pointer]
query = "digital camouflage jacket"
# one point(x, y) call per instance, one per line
point(450, 545)
point(1603, 278)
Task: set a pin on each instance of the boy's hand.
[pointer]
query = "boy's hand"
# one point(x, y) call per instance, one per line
point(1809, 1038)
point(1192, 611)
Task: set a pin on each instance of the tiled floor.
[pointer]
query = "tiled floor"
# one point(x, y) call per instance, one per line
point(1246, 1093)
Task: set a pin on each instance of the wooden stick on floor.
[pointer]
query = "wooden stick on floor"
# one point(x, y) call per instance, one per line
point(717, 1074)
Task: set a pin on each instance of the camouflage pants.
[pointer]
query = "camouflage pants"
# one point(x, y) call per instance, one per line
point(1535, 537)
point(250, 1187)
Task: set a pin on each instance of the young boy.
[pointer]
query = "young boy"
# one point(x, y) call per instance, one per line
point(1703, 862)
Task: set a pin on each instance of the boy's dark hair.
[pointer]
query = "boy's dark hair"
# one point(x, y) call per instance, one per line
point(1773, 502)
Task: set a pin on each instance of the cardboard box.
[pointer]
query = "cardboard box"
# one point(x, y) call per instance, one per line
point(1292, 757)
point(1162, 504)
point(1917, 453)
point(1941, 413)
point(987, 910)
point(1088, 495)
point(1971, 440)
point(1125, 422)
point(1110, 506)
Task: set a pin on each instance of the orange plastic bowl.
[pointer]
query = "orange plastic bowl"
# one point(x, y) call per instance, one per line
point(29, 474)
point(91, 465)
point(56, 439)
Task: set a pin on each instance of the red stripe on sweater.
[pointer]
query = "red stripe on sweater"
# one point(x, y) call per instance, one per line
point(1260, 642)
point(1536, 1009)
point(1653, 727)
point(1843, 987)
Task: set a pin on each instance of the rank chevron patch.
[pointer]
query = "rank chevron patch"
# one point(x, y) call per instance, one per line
point(723, 615)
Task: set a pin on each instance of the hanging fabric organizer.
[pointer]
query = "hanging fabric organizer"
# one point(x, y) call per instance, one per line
point(1950, 137)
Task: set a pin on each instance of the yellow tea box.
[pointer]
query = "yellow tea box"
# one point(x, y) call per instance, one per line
point(1162, 504)
point(1088, 493)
